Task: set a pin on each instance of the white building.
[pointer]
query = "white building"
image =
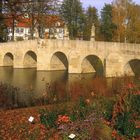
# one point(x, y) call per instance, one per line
point(22, 30)
point(20, 33)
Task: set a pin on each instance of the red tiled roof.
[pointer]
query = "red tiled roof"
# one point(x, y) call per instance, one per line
point(25, 23)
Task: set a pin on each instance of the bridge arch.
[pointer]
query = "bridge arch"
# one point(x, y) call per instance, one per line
point(30, 59)
point(92, 63)
point(132, 67)
point(8, 59)
point(59, 61)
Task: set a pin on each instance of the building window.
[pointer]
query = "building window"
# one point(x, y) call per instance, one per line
point(9, 30)
point(21, 30)
point(51, 30)
point(54, 30)
point(29, 31)
point(17, 30)
point(60, 30)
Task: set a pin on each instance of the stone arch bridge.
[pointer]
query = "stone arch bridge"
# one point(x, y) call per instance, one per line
point(109, 58)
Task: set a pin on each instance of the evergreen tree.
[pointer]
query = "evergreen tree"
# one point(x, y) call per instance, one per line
point(107, 26)
point(91, 18)
point(72, 13)
point(3, 30)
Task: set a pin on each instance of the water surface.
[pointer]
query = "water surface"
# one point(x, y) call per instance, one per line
point(34, 82)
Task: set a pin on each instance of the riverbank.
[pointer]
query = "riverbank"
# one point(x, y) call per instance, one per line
point(96, 112)
point(14, 124)
point(87, 118)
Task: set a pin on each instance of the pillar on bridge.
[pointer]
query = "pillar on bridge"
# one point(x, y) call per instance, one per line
point(73, 69)
point(113, 72)
point(74, 64)
point(18, 61)
point(114, 65)
point(43, 60)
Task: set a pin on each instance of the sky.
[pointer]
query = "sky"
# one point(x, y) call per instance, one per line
point(100, 3)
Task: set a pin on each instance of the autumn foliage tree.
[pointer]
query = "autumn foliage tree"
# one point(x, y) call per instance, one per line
point(119, 17)
point(35, 10)
point(126, 16)
point(38, 10)
point(133, 25)
point(13, 10)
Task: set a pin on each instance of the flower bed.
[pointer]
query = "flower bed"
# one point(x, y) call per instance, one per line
point(90, 116)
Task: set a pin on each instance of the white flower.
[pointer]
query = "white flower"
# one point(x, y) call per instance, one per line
point(72, 136)
point(31, 119)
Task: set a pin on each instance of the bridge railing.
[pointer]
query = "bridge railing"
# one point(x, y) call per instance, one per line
point(25, 43)
point(79, 45)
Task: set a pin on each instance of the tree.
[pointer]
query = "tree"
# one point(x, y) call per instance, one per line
point(3, 30)
point(119, 14)
point(72, 13)
point(107, 26)
point(38, 10)
point(124, 11)
point(46, 8)
point(126, 15)
point(91, 18)
point(12, 11)
point(133, 24)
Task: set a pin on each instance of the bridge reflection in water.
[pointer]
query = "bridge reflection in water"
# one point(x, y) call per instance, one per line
point(34, 82)
point(30, 79)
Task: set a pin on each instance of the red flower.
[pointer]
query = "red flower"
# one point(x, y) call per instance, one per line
point(63, 119)
point(130, 85)
point(114, 133)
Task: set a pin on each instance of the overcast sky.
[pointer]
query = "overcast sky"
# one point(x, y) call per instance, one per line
point(100, 3)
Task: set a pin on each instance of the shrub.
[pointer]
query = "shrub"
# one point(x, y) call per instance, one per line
point(104, 105)
point(48, 118)
point(135, 104)
point(126, 111)
point(108, 109)
point(81, 109)
point(8, 96)
point(125, 125)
